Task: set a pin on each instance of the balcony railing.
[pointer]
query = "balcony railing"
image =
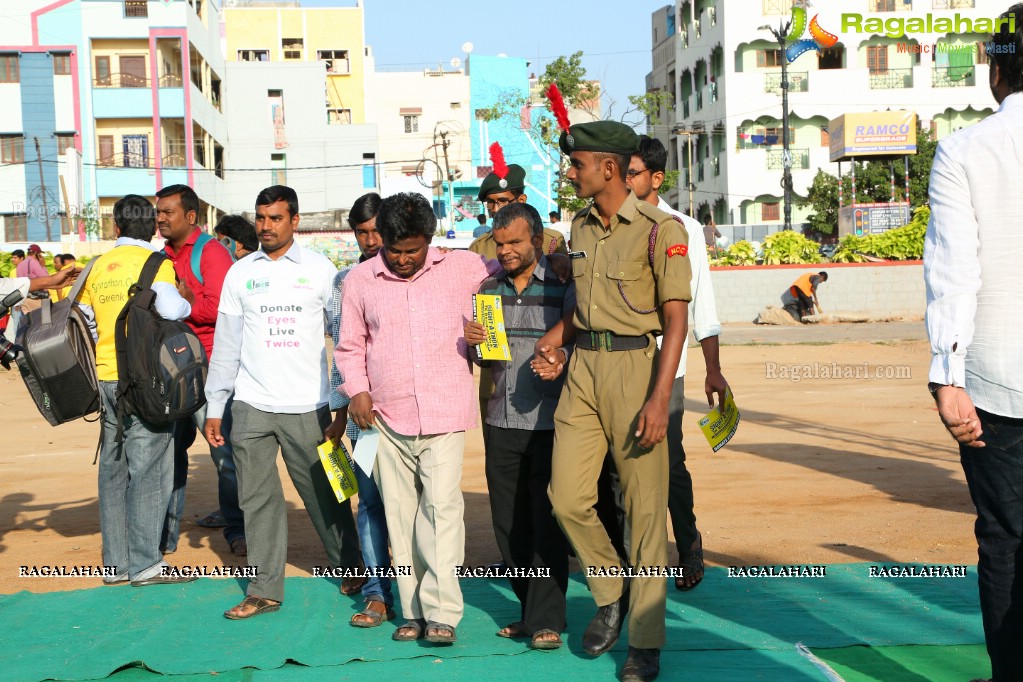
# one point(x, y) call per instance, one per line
point(798, 82)
point(121, 80)
point(953, 77)
point(776, 159)
point(174, 154)
point(170, 80)
point(952, 4)
point(127, 161)
point(891, 79)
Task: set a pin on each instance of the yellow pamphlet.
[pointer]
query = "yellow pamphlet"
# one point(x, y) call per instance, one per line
point(721, 423)
point(338, 466)
point(487, 311)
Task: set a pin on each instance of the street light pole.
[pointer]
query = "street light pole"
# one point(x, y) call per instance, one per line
point(786, 180)
point(690, 185)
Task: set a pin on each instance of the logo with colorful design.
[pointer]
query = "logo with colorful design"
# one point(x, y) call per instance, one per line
point(819, 38)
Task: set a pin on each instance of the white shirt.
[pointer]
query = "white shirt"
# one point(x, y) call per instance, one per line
point(563, 228)
point(704, 313)
point(973, 261)
point(8, 285)
point(268, 347)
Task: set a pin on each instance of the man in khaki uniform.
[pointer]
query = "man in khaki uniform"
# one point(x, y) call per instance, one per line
point(632, 284)
point(496, 197)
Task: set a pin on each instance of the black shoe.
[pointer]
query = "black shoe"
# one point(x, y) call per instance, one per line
point(160, 579)
point(642, 665)
point(602, 632)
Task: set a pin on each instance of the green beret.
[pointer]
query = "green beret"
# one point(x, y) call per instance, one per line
point(600, 136)
point(515, 181)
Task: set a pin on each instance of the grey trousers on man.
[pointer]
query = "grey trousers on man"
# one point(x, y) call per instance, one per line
point(256, 436)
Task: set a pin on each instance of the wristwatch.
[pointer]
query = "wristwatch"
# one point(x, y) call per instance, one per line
point(933, 388)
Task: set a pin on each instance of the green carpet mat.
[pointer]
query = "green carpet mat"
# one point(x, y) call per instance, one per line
point(179, 629)
point(908, 663)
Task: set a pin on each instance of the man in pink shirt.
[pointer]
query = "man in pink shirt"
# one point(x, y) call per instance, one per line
point(405, 366)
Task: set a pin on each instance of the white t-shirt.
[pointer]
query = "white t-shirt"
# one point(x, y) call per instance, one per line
point(281, 304)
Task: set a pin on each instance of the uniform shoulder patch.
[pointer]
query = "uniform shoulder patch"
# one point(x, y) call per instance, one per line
point(652, 212)
point(677, 250)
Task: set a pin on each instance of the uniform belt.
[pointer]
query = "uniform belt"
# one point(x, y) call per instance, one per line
point(609, 341)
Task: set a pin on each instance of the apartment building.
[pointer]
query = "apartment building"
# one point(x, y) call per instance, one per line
point(109, 97)
point(728, 104)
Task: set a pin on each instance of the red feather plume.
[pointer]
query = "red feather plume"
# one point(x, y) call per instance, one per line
point(497, 158)
point(558, 107)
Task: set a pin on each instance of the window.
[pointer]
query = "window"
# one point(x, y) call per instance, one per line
point(877, 59)
point(62, 64)
point(136, 151)
point(65, 141)
point(106, 150)
point(771, 211)
point(339, 116)
point(337, 60)
point(769, 58)
point(886, 5)
point(12, 148)
point(253, 55)
point(369, 171)
point(279, 172)
point(102, 70)
point(9, 68)
point(292, 48)
point(831, 58)
point(411, 123)
point(16, 227)
point(136, 8)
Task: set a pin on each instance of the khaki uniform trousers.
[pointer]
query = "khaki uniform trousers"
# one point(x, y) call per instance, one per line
point(598, 410)
point(420, 481)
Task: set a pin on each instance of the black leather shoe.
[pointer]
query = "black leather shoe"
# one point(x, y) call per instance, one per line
point(602, 632)
point(642, 665)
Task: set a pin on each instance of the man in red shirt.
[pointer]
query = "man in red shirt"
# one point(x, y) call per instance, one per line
point(177, 212)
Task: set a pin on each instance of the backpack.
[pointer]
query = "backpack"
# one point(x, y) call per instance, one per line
point(58, 358)
point(201, 241)
point(161, 364)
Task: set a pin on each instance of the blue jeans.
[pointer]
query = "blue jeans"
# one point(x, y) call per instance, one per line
point(995, 476)
point(134, 489)
point(227, 480)
point(372, 526)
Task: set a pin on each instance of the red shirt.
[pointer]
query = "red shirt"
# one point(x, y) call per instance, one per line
point(213, 265)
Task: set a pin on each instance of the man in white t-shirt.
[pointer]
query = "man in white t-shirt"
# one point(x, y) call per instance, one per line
point(269, 351)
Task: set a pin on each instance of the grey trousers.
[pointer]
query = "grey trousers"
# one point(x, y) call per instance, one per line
point(256, 436)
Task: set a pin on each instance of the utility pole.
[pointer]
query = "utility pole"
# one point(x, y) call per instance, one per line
point(786, 180)
point(451, 180)
point(690, 185)
point(42, 186)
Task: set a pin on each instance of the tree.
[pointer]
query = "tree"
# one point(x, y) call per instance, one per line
point(873, 184)
point(570, 76)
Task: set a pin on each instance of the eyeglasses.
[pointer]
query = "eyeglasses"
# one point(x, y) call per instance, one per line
point(498, 202)
point(633, 173)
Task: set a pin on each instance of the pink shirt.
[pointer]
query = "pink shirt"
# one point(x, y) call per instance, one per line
point(402, 340)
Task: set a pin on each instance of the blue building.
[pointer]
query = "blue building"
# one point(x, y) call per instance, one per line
point(494, 82)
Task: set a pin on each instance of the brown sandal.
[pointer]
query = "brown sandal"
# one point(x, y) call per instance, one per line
point(413, 630)
point(370, 617)
point(516, 630)
point(692, 566)
point(352, 585)
point(258, 606)
point(541, 640)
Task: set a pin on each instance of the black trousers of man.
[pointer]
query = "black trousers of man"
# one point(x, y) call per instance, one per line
point(518, 473)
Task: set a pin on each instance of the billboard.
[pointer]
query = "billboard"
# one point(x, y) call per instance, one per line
point(874, 133)
point(864, 219)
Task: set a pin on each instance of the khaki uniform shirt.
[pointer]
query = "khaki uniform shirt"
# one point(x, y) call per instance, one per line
point(619, 255)
point(487, 247)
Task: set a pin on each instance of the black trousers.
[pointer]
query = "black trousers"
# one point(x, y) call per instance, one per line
point(610, 508)
point(994, 474)
point(528, 536)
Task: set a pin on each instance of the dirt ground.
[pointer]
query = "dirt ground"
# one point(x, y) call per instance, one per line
point(821, 470)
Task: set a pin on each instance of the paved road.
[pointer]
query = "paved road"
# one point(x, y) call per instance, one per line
point(748, 334)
